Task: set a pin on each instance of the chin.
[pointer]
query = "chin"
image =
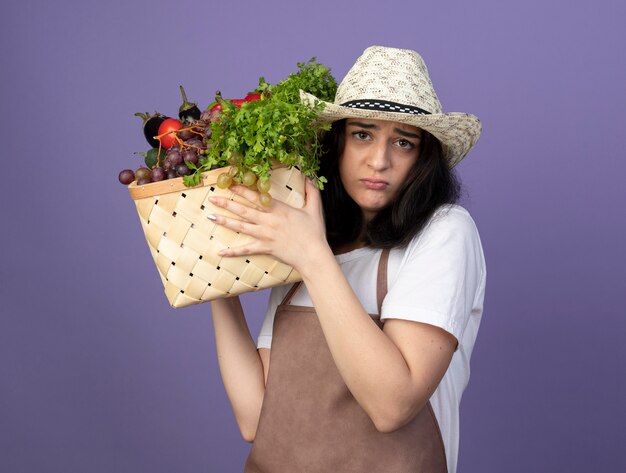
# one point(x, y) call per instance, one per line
point(373, 206)
point(371, 210)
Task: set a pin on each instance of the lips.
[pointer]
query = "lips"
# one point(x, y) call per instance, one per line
point(375, 184)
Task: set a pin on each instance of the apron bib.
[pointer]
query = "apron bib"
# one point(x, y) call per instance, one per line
point(310, 422)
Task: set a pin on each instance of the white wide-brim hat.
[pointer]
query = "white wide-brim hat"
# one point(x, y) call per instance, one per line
point(393, 84)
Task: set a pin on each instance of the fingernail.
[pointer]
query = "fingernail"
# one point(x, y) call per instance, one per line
point(211, 217)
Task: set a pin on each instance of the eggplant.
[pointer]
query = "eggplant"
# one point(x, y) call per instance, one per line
point(188, 110)
point(151, 124)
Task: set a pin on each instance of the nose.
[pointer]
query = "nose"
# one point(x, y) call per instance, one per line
point(379, 157)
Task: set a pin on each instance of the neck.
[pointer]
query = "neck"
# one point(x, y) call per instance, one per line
point(347, 247)
point(351, 245)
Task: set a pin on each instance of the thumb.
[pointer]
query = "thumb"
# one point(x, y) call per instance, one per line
point(311, 194)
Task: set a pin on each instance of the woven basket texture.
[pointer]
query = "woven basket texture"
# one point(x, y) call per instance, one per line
point(184, 242)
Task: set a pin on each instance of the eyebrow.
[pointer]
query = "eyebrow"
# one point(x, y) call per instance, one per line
point(372, 126)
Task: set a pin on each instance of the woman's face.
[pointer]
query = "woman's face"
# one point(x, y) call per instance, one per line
point(377, 157)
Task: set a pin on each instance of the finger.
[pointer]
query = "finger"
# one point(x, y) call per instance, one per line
point(241, 210)
point(250, 195)
point(236, 225)
point(245, 250)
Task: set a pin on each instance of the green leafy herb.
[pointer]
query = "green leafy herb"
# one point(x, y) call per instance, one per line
point(278, 128)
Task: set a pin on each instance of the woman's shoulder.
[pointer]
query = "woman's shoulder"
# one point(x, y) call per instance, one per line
point(450, 223)
point(450, 218)
point(450, 239)
point(452, 214)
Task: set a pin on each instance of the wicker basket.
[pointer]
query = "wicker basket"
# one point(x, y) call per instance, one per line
point(184, 242)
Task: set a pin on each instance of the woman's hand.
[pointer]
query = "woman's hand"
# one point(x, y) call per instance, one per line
point(289, 234)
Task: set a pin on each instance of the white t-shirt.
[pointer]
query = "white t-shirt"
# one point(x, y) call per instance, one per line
point(438, 279)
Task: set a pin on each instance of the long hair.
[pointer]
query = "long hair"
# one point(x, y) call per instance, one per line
point(430, 184)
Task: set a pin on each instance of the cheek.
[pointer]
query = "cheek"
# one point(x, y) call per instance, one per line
point(407, 170)
point(403, 176)
point(408, 166)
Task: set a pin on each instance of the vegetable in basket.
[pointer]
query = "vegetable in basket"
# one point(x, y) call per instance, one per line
point(255, 135)
point(269, 127)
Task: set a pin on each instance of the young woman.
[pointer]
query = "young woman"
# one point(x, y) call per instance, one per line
point(361, 367)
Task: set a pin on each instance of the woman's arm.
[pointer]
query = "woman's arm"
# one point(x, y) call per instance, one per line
point(241, 365)
point(391, 373)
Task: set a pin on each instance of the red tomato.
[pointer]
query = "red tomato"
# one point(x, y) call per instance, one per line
point(251, 97)
point(237, 102)
point(169, 126)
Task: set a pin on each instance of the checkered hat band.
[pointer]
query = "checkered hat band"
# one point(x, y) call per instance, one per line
point(385, 106)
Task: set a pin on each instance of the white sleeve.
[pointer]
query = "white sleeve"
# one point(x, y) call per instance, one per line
point(264, 340)
point(440, 276)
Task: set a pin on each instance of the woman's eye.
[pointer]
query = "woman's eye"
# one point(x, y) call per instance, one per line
point(405, 144)
point(360, 135)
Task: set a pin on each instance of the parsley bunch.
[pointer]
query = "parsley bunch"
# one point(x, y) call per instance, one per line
point(277, 129)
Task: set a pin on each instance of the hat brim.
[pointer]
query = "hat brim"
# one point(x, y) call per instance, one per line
point(458, 132)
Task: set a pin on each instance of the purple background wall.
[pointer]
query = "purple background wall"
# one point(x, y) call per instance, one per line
point(98, 374)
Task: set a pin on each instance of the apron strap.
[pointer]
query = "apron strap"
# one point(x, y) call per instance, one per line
point(381, 282)
point(290, 293)
point(381, 279)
